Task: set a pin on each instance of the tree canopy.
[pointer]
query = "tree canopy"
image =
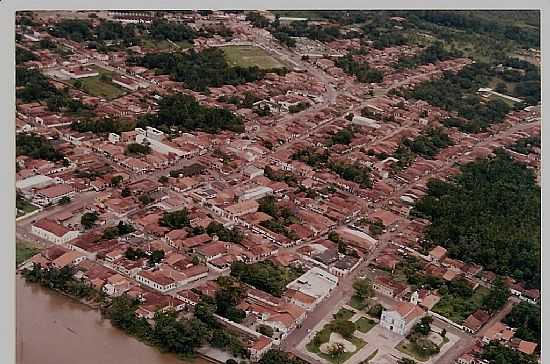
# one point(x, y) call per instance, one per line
point(184, 113)
point(200, 70)
point(36, 147)
point(490, 215)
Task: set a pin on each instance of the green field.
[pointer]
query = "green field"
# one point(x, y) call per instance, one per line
point(343, 314)
point(24, 251)
point(248, 56)
point(164, 45)
point(95, 86)
point(357, 303)
point(458, 308)
point(24, 207)
point(364, 324)
point(407, 347)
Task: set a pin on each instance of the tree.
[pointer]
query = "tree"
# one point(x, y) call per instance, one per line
point(363, 288)
point(275, 356)
point(376, 310)
point(501, 88)
point(423, 327)
point(336, 351)
point(497, 296)
point(443, 333)
point(333, 236)
point(65, 200)
point(126, 192)
point(163, 179)
point(116, 181)
point(480, 205)
point(156, 257)
point(175, 220)
point(526, 317)
point(137, 149)
point(406, 361)
point(265, 330)
point(88, 219)
point(134, 254)
point(145, 199)
point(343, 327)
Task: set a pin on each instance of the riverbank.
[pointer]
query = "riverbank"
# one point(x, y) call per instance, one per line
point(53, 329)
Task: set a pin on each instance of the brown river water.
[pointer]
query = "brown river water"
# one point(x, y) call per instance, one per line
point(54, 329)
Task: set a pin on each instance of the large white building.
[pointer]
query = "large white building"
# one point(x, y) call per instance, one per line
point(153, 138)
point(255, 193)
point(156, 280)
point(52, 231)
point(53, 194)
point(316, 283)
point(401, 318)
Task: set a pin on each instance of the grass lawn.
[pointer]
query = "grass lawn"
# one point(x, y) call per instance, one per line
point(364, 324)
point(343, 314)
point(248, 56)
point(24, 251)
point(24, 207)
point(97, 87)
point(164, 45)
point(407, 347)
point(357, 303)
point(458, 308)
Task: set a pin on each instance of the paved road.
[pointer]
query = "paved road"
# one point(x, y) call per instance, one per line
point(342, 292)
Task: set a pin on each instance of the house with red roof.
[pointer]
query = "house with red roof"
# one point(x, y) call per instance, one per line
point(54, 232)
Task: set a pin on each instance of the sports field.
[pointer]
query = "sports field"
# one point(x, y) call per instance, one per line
point(248, 56)
point(96, 86)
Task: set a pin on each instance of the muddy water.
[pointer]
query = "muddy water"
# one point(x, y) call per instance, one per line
point(53, 329)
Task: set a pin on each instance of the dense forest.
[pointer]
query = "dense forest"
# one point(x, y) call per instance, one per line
point(103, 125)
point(490, 215)
point(496, 353)
point(200, 70)
point(183, 112)
point(350, 172)
point(361, 70)
point(432, 54)
point(526, 145)
point(37, 147)
point(526, 318)
point(22, 55)
point(34, 85)
point(457, 92)
point(478, 22)
point(428, 144)
point(264, 275)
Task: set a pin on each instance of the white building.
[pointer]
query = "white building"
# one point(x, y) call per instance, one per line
point(401, 318)
point(153, 138)
point(316, 282)
point(126, 82)
point(53, 194)
point(38, 181)
point(114, 138)
point(253, 171)
point(255, 193)
point(78, 72)
point(156, 281)
point(52, 231)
